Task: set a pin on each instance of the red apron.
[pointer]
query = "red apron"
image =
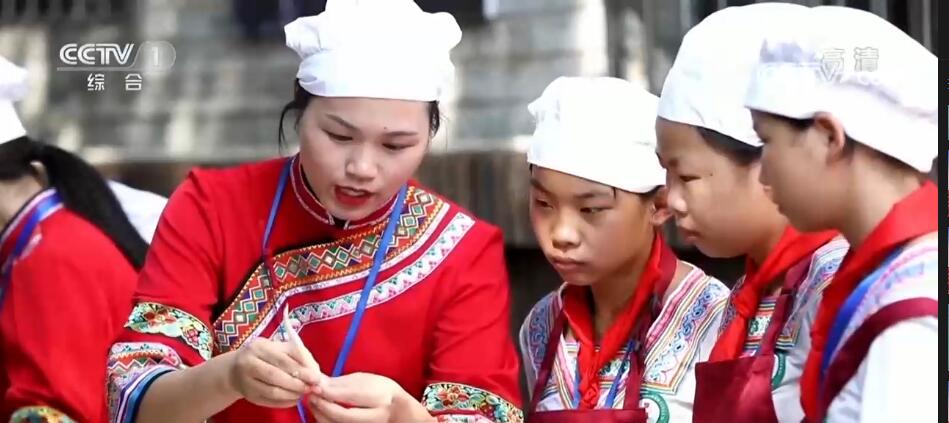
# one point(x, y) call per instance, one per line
point(630, 413)
point(739, 390)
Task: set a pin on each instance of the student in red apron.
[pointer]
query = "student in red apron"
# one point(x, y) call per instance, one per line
point(399, 295)
point(619, 340)
point(68, 261)
point(847, 148)
point(712, 155)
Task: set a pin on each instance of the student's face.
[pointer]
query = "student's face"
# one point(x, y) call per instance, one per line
point(588, 231)
point(719, 205)
point(358, 152)
point(793, 164)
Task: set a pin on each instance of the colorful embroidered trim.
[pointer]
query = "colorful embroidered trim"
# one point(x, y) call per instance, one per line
point(154, 318)
point(394, 286)
point(39, 414)
point(683, 323)
point(132, 366)
point(458, 400)
point(311, 266)
point(466, 418)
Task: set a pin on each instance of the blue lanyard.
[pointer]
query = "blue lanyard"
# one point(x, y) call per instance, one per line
point(847, 311)
point(377, 260)
point(611, 396)
point(40, 212)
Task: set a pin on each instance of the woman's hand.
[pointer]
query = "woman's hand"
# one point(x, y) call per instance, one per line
point(271, 374)
point(368, 398)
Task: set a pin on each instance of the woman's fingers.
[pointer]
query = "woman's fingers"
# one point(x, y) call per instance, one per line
point(338, 414)
point(271, 375)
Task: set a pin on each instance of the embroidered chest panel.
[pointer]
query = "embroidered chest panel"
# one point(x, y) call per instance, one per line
point(331, 264)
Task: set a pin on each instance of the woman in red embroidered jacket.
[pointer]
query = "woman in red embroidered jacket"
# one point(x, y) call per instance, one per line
point(848, 148)
point(68, 260)
point(400, 296)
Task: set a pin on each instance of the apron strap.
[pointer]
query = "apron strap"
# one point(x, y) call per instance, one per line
point(848, 359)
point(543, 376)
point(793, 279)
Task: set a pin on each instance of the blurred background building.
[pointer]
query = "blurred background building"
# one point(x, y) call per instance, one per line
point(217, 101)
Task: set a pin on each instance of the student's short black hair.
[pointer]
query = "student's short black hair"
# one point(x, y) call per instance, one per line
point(301, 98)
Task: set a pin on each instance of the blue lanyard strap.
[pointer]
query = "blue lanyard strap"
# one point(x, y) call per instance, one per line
point(377, 260)
point(849, 309)
point(41, 211)
point(631, 346)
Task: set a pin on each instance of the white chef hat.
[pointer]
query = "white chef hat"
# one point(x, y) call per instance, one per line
point(598, 128)
point(375, 48)
point(863, 70)
point(12, 88)
point(707, 83)
point(143, 208)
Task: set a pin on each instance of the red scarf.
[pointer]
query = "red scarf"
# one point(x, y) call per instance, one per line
point(914, 216)
point(790, 250)
point(579, 316)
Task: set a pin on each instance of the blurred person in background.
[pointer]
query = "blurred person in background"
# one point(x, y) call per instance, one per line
point(69, 258)
point(399, 295)
point(850, 151)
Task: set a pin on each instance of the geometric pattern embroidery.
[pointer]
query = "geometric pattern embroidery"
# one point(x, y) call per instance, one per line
point(129, 363)
point(671, 344)
point(318, 263)
point(759, 325)
point(913, 271)
point(393, 286)
point(172, 322)
point(675, 337)
point(39, 414)
point(824, 263)
point(445, 399)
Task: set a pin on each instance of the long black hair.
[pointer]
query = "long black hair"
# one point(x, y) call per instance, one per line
point(81, 187)
point(301, 98)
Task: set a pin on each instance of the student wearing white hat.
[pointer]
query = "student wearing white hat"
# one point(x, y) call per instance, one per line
point(68, 263)
point(399, 297)
point(618, 341)
point(847, 111)
point(711, 152)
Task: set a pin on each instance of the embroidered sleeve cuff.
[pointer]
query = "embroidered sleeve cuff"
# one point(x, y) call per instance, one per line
point(40, 414)
point(133, 366)
point(458, 403)
point(155, 318)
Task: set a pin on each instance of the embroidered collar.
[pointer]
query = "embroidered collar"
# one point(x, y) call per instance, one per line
point(313, 206)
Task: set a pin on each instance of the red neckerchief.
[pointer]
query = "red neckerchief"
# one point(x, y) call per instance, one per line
point(789, 251)
point(910, 218)
point(577, 311)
